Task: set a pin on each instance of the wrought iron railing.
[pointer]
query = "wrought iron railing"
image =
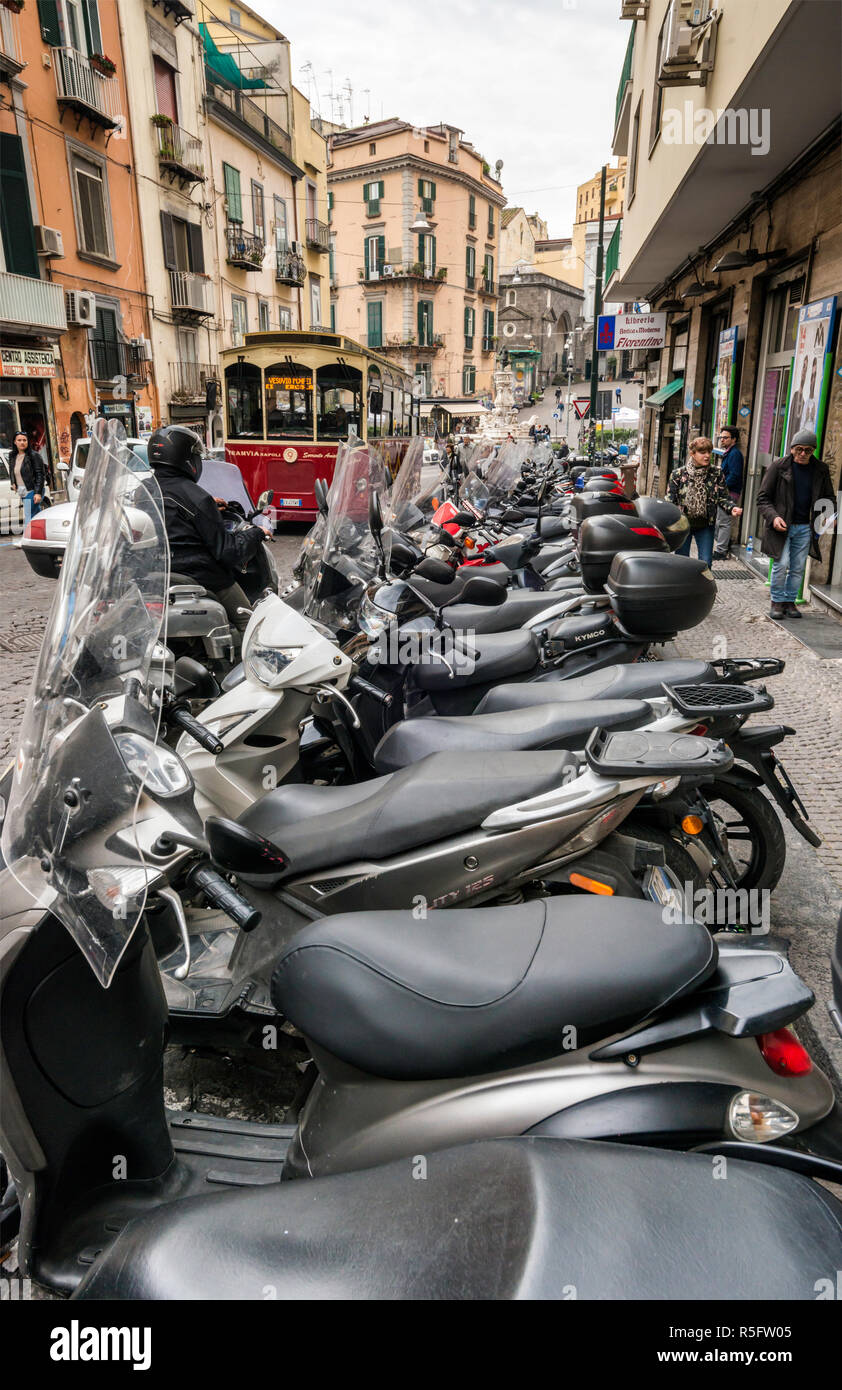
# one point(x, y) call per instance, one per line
point(78, 82)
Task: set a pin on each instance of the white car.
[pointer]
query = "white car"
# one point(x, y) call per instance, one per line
point(76, 472)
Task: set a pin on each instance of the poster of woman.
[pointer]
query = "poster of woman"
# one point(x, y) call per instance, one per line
point(811, 369)
point(724, 384)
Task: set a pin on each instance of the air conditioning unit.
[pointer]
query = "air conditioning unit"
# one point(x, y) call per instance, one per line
point(144, 348)
point(81, 308)
point(48, 241)
point(387, 272)
point(689, 43)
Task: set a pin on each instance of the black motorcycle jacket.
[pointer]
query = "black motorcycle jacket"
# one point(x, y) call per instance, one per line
point(200, 546)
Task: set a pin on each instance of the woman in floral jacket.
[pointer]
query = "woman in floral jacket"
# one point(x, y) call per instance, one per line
point(698, 488)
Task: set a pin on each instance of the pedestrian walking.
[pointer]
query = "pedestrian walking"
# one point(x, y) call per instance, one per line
point(699, 488)
point(792, 489)
point(732, 464)
point(26, 473)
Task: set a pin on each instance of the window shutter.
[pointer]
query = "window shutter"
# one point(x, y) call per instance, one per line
point(169, 241)
point(432, 193)
point(381, 252)
point(365, 257)
point(433, 252)
point(467, 323)
point(48, 19)
point(15, 215)
point(92, 30)
point(366, 187)
point(197, 250)
point(421, 247)
point(420, 321)
point(232, 193)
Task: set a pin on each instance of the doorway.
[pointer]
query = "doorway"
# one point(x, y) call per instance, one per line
point(771, 392)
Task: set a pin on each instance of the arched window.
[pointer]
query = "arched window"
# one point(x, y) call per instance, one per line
point(340, 400)
point(243, 405)
point(288, 387)
point(511, 298)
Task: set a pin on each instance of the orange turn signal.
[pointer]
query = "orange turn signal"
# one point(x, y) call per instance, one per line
point(469, 542)
point(692, 825)
point(435, 504)
point(592, 885)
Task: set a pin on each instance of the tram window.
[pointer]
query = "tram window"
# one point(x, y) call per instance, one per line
point(242, 401)
point(375, 402)
point(340, 400)
point(398, 400)
point(289, 401)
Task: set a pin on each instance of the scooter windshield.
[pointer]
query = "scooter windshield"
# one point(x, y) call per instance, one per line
point(347, 554)
point(417, 492)
point(70, 834)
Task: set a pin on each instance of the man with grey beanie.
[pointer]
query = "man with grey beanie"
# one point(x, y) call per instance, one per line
point(792, 489)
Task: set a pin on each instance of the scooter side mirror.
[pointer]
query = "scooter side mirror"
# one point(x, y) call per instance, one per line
point(485, 592)
point(375, 514)
point(194, 680)
point(237, 850)
point(463, 519)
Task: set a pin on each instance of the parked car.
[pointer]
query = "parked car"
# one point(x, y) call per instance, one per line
point(11, 507)
point(76, 472)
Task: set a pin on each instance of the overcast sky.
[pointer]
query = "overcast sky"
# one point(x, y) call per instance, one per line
point(533, 84)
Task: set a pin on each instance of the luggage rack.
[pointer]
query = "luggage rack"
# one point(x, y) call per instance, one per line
point(639, 752)
point(698, 700)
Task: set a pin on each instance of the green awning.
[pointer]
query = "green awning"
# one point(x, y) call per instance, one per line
point(523, 352)
point(665, 392)
point(224, 66)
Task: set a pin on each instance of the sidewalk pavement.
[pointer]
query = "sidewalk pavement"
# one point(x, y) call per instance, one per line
point(808, 696)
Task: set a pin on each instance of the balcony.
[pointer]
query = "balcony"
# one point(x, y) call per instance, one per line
point(317, 235)
point(81, 88)
point(179, 9)
point(290, 268)
point(249, 113)
point(189, 380)
point(472, 221)
point(634, 9)
point(243, 249)
point(489, 344)
point(11, 52)
point(622, 110)
point(180, 155)
point(423, 274)
point(396, 342)
point(31, 306)
point(190, 293)
point(110, 359)
point(488, 287)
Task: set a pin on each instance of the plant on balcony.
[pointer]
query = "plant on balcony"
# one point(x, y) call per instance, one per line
point(101, 63)
point(486, 167)
point(14, 5)
point(255, 256)
point(160, 120)
point(167, 151)
point(441, 273)
point(416, 268)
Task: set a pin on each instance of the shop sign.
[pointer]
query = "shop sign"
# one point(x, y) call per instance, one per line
point(26, 362)
point(630, 332)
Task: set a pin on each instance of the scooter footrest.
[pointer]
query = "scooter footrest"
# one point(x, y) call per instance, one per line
point(639, 753)
point(698, 700)
point(748, 668)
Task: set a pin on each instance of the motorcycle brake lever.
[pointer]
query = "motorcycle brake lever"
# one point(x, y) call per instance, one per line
point(169, 895)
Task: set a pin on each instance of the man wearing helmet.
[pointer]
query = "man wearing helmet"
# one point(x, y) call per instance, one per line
point(200, 545)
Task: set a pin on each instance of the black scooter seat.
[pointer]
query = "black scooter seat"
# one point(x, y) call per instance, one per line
point(440, 796)
point(478, 660)
point(470, 993)
point(518, 607)
point(504, 1219)
point(637, 681)
point(542, 726)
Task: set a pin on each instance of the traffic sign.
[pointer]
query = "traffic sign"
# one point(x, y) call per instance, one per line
point(581, 405)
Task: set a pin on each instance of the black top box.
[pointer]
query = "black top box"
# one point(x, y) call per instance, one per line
point(657, 596)
point(602, 537)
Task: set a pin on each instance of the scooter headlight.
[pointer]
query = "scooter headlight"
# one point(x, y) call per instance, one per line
point(159, 769)
point(373, 620)
point(266, 664)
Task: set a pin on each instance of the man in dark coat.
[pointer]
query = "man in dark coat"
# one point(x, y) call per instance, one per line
point(793, 489)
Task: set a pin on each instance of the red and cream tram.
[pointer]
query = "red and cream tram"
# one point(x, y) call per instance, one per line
point(290, 398)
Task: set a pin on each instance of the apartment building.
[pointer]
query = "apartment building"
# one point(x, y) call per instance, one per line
point(74, 313)
point(732, 226)
point(415, 220)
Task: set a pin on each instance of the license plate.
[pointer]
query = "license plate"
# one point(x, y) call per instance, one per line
point(658, 885)
point(290, 502)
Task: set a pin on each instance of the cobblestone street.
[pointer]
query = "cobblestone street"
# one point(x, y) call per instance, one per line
point(808, 695)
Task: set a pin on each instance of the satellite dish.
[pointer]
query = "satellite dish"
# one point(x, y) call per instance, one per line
point(498, 167)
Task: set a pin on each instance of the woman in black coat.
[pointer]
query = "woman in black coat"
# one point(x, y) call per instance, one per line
point(26, 470)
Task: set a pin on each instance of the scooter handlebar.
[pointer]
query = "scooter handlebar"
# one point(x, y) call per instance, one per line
point(219, 892)
point(197, 731)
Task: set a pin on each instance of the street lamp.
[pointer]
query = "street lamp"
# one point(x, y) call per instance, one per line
point(421, 225)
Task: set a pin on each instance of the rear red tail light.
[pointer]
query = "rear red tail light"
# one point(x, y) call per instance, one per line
point(700, 730)
point(784, 1054)
point(645, 531)
point(36, 529)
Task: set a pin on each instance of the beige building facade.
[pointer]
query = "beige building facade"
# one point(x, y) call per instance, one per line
point(733, 227)
point(415, 221)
